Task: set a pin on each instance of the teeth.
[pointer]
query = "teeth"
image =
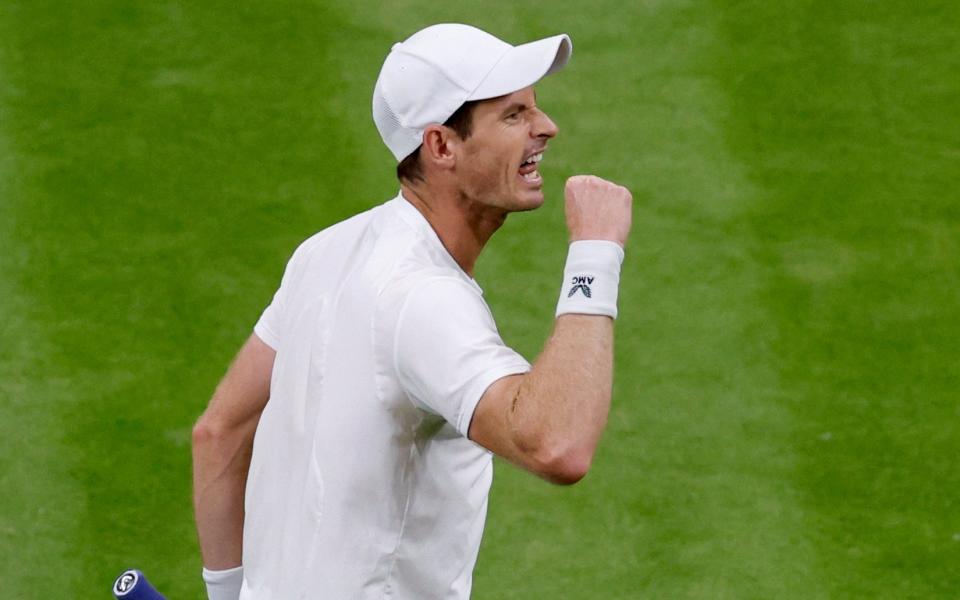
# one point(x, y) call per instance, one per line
point(534, 159)
point(532, 176)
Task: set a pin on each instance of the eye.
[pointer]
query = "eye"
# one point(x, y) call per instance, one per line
point(515, 113)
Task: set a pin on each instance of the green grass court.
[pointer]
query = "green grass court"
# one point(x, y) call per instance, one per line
point(786, 421)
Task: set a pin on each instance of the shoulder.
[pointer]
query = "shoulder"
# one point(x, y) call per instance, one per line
point(429, 291)
point(419, 265)
point(339, 232)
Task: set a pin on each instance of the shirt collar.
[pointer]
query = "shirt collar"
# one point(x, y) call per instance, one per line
point(412, 216)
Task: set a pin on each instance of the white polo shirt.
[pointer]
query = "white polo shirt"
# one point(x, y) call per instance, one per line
point(363, 483)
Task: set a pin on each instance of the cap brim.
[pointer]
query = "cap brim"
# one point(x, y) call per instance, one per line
point(524, 65)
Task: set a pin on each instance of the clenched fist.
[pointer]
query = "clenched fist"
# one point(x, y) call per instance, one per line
point(597, 209)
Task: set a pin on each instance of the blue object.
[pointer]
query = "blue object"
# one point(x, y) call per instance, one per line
point(133, 585)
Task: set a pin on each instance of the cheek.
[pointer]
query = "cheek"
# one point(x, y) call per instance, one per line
point(486, 162)
point(478, 175)
point(490, 161)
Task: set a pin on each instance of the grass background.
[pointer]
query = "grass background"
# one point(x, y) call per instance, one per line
point(786, 419)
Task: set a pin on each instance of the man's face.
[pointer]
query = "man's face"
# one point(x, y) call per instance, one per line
point(497, 164)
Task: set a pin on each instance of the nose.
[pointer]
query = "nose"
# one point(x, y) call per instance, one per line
point(543, 126)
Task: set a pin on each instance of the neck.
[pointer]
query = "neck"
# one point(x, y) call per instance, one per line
point(462, 225)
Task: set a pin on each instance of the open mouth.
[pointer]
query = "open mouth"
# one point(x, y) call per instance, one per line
point(528, 168)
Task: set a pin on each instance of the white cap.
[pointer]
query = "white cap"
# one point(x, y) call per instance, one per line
point(425, 79)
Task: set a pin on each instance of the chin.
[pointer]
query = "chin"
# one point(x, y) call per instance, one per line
point(526, 201)
point(529, 199)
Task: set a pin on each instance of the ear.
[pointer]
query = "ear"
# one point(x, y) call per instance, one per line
point(438, 146)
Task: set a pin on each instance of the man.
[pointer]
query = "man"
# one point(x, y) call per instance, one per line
point(367, 472)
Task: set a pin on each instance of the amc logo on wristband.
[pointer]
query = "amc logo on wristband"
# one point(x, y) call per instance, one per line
point(582, 283)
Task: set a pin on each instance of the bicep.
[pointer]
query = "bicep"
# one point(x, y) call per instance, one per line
point(244, 391)
point(491, 423)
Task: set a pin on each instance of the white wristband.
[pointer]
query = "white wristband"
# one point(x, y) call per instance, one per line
point(223, 585)
point(591, 278)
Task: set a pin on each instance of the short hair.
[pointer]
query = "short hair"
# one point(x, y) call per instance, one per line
point(461, 122)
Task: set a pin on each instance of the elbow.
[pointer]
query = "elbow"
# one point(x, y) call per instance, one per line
point(561, 454)
point(215, 433)
point(206, 432)
point(562, 466)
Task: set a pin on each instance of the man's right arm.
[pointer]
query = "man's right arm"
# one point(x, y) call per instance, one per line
point(222, 447)
point(549, 421)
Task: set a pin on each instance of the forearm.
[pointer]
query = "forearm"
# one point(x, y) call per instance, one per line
point(560, 407)
point(220, 465)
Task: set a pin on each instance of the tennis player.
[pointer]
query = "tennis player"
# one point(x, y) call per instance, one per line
point(348, 451)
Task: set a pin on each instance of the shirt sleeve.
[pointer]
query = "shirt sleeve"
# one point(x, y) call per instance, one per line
point(447, 350)
point(269, 326)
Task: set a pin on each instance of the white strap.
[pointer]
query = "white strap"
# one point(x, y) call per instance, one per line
point(223, 585)
point(591, 278)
